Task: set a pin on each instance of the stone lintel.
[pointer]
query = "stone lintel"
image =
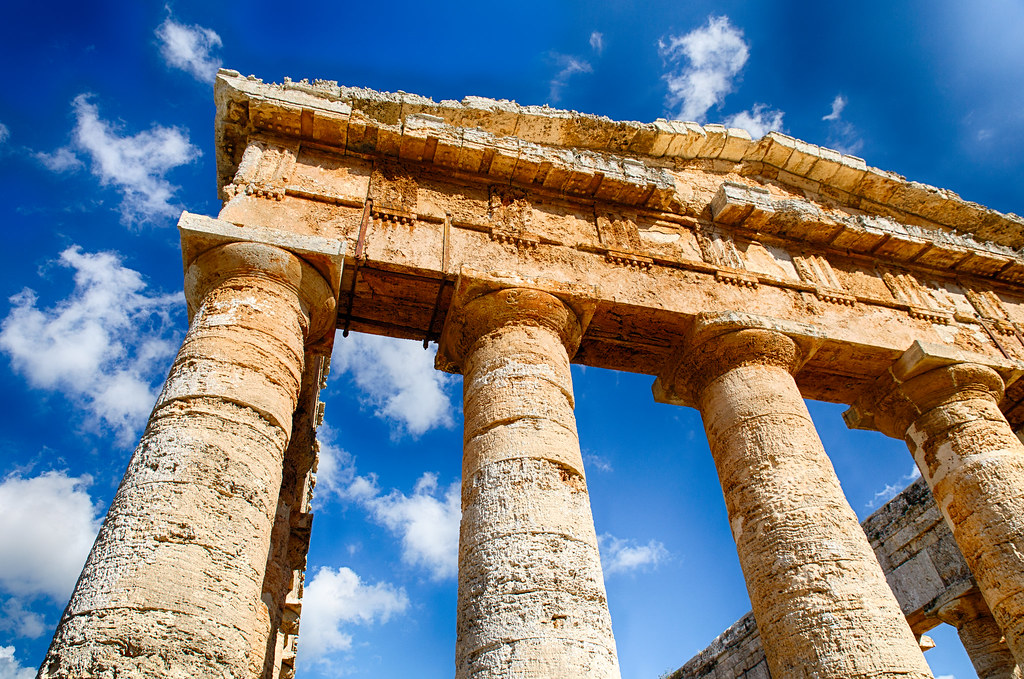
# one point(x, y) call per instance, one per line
point(708, 326)
point(472, 284)
point(951, 594)
point(200, 233)
point(920, 358)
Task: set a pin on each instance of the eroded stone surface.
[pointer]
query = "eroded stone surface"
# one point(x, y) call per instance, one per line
point(820, 599)
point(531, 599)
point(974, 464)
point(981, 636)
point(173, 586)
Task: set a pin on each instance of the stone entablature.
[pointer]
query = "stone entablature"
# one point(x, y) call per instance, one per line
point(660, 240)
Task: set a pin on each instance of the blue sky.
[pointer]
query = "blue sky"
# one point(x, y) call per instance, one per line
point(106, 133)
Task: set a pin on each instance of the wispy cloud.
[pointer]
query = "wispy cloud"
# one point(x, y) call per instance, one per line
point(336, 600)
point(842, 135)
point(838, 104)
point(594, 461)
point(61, 160)
point(135, 164)
point(105, 346)
point(397, 378)
point(10, 668)
point(702, 67)
point(190, 48)
point(892, 489)
point(758, 121)
point(5, 133)
point(568, 66)
point(624, 556)
point(426, 522)
point(597, 42)
point(19, 622)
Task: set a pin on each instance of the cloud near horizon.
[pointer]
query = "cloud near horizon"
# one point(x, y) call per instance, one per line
point(758, 121)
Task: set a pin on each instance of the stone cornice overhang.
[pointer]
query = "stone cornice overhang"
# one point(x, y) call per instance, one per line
point(595, 158)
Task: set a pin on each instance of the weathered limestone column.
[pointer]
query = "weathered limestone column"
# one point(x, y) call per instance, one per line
point(819, 597)
point(531, 597)
point(980, 635)
point(173, 585)
point(948, 415)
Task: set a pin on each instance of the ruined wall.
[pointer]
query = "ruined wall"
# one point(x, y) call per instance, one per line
point(921, 563)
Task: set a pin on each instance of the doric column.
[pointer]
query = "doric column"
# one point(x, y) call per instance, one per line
point(172, 587)
point(948, 415)
point(980, 635)
point(531, 599)
point(818, 594)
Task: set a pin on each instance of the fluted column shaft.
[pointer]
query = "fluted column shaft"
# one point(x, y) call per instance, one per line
point(531, 599)
point(974, 465)
point(981, 636)
point(818, 593)
point(172, 587)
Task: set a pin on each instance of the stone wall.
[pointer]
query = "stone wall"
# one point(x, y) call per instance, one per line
point(922, 565)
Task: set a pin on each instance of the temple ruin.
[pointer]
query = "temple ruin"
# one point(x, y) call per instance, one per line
point(743, 275)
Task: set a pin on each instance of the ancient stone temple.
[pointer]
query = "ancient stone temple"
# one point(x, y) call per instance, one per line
point(743, 275)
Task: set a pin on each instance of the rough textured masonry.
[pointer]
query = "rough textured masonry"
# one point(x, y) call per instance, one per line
point(744, 274)
point(927, 574)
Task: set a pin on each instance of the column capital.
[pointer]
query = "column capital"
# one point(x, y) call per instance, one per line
point(717, 343)
point(483, 303)
point(509, 306)
point(312, 265)
point(922, 378)
point(255, 261)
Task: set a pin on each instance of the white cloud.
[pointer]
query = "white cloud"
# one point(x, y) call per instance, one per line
point(842, 135)
point(21, 622)
point(597, 462)
point(838, 104)
point(61, 160)
point(103, 346)
point(426, 522)
point(758, 121)
point(622, 556)
point(703, 64)
point(4, 133)
point(10, 668)
point(189, 48)
point(398, 379)
point(945, 676)
point(47, 526)
point(891, 490)
point(597, 42)
point(337, 599)
point(136, 165)
point(568, 67)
